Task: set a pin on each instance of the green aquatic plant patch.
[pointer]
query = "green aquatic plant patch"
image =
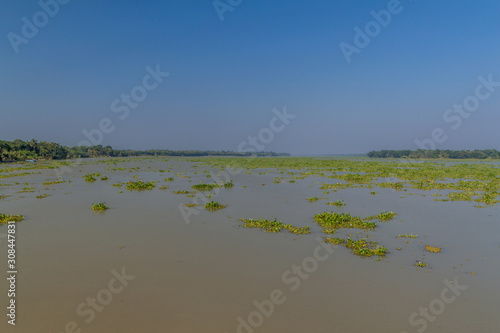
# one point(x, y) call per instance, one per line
point(274, 226)
point(384, 216)
point(228, 184)
point(421, 264)
point(336, 203)
point(16, 175)
point(100, 207)
point(209, 187)
point(47, 183)
point(91, 177)
point(181, 192)
point(5, 218)
point(408, 236)
point(204, 187)
point(214, 205)
point(360, 247)
point(335, 241)
point(139, 186)
point(433, 249)
point(364, 248)
point(331, 222)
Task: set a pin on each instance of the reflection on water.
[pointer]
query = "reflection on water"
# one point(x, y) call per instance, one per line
point(213, 276)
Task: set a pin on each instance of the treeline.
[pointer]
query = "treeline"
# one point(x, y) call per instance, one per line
point(19, 150)
point(437, 153)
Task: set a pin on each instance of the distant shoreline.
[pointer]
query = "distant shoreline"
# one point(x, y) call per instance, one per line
point(19, 150)
point(437, 154)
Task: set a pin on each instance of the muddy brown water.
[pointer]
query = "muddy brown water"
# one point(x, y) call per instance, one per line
point(212, 275)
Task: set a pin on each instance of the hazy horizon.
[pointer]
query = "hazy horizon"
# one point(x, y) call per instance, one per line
point(353, 76)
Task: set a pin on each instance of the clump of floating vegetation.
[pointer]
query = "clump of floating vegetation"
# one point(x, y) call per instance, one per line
point(213, 206)
point(41, 196)
point(365, 249)
point(488, 198)
point(461, 196)
point(104, 178)
point(3, 196)
point(191, 205)
point(333, 240)
point(16, 175)
point(53, 182)
point(398, 186)
point(331, 222)
point(139, 186)
point(91, 177)
point(421, 264)
point(27, 190)
point(209, 187)
point(117, 184)
point(313, 199)
point(360, 247)
point(181, 192)
point(204, 187)
point(169, 179)
point(336, 203)
point(4, 218)
point(433, 249)
point(164, 187)
point(408, 236)
point(100, 207)
point(228, 184)
point(274, 226)
point(335, 186)
point(385, 216)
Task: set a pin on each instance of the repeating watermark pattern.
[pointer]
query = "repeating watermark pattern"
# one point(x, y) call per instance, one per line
point(223, 6)
point(120, 106)
point(363, 37)
point(292, 279)
point(103, 298)
point(436, 307)
point(30, 28)
point(455, 116)
point(459, 112)
point(11, 272)
point(266, 135)
point(252, 144)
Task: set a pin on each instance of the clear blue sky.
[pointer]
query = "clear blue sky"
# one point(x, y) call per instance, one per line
point(226, 76)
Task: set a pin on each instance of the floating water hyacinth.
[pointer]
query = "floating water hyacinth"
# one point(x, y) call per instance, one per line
point(139, 186)
point(100, 207)
point(213, 206)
